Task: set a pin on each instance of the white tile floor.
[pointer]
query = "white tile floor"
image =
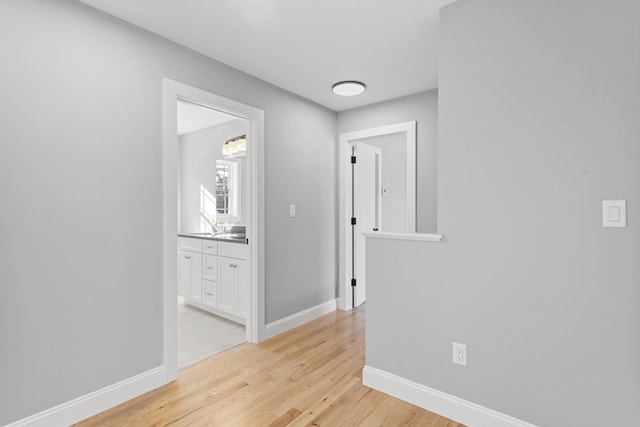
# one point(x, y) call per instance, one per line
point(202, 334)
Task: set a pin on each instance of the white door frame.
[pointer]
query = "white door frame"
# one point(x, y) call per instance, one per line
point(344, 196)
point(255, 326)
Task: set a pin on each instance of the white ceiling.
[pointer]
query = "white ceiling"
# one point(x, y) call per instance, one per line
point(194, 117)
point(305, 46)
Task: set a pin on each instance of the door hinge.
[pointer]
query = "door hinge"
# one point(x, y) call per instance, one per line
point(353, 221)
point(353, 282)
point(353, 159)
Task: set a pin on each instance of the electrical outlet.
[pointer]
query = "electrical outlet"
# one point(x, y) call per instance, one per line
point(459, 354)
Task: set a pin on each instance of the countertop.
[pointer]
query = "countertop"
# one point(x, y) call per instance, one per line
point(226, 237)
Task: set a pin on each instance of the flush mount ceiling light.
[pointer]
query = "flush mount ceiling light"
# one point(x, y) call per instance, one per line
point(348, 88)
point(235, 146)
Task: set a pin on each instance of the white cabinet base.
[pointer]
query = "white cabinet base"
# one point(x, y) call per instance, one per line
point(214, 276)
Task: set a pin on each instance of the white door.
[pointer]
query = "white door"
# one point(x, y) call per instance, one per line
point(366, 206)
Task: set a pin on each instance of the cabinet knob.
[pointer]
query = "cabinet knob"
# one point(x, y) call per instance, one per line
point(187, 257)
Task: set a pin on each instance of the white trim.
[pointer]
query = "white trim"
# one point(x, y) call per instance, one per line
point(300, 318)
point(422, 237)
point(452, 407)
point(93, 403)
point(344, 191)
point(172, 91)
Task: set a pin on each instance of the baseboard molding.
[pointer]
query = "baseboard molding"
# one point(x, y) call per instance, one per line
point(444, 404)
point(93, 403)
point(300, 318)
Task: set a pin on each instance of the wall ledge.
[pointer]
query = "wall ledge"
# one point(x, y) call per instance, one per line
point(421, 237)
point(452, 407)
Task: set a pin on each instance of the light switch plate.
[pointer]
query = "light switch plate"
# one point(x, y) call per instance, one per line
point(614, 213)
point(292, 211)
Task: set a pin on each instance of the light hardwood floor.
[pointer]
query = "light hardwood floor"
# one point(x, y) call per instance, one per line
point(310, 376)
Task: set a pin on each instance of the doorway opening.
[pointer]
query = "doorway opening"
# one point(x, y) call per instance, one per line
point(377, 194)
point(212, 197)
point(213, 232)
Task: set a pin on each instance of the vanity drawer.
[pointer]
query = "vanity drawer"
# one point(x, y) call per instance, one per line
point(210, 267)
point(210, 247)
point(210, 293)
point(189, 244)
point(233, 250)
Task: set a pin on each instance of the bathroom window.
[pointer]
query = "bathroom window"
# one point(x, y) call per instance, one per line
point(227, 186)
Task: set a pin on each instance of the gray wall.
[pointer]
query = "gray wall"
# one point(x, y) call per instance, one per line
point(422, 107)
point(80, 183)
point(539, 106)
point(198, 152)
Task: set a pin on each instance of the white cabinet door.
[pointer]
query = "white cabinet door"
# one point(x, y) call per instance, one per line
point(190, 275)
point(184, 273)
point(242, 277)
point(233, 289)
point(227, 284)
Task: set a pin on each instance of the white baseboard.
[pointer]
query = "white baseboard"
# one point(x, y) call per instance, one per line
point(93, 403)
point(300, 318)
point(448, 406)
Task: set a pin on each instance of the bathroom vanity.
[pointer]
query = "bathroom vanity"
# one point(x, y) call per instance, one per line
point(213, 273)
